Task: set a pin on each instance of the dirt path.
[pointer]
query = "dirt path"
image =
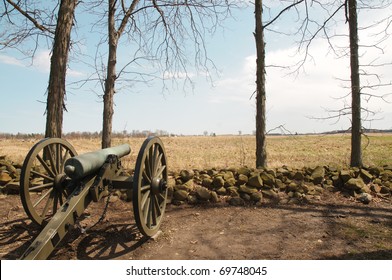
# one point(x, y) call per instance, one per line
point(333, 228)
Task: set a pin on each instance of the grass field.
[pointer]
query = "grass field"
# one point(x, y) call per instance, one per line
point(198, 152)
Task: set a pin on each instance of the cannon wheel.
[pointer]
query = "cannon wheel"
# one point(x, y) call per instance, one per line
point(41, 186)
point(150, 186)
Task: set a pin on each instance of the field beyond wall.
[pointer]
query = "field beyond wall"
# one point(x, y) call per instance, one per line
point(201, 152)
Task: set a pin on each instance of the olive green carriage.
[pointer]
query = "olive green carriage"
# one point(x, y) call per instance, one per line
point(57, 185)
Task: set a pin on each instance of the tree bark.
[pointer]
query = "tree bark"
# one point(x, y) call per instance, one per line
point(261, 152)
point(108, 97)
point(111, 76)
point(356, 153)
point(55, 105)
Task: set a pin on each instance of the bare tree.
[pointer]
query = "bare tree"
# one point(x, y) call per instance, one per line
point(111, 76)
point(356, 126)
point(55, 104)
point(160, 33)
point(261, 151)
point(36, 22)
point(311, 26)
point(260, 26)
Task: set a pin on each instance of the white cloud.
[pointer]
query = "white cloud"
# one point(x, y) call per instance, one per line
point(41, 61)
point(294, 99)
point(10, 60)
point(75, 74)
point(178, 75)
point(238, 88)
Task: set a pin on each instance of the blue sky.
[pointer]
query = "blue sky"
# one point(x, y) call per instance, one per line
point(223, 107)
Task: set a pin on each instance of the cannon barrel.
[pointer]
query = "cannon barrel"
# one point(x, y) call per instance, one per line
point(83, 165)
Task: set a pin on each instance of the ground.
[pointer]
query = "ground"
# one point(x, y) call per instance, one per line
point(334, 227)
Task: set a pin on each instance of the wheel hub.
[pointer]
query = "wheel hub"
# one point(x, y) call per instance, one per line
point(158, 185)
point(58, 182)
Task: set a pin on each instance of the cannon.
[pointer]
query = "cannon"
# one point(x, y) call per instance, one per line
point(57, 185)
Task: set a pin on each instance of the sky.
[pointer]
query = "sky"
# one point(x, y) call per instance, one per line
point(299, 102)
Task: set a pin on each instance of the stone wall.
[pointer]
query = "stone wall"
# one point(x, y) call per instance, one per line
point(240, 186)
point(9, 176)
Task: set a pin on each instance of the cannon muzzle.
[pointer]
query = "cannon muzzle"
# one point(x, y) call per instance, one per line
point(86, 164)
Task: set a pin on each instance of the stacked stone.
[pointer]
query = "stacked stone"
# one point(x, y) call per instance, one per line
point(362, 183)
point(240, 186)
point(9, 176)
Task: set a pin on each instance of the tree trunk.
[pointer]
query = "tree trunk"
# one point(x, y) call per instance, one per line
point(108, 97)
point(356, 154)
point(58, 67)
point(261, 152)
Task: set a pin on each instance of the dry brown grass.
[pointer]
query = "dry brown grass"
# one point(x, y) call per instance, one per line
point(233, 151)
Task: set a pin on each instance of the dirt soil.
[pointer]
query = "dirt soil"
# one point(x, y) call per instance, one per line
point(334, 227)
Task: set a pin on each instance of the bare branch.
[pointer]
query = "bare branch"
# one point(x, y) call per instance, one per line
point(126, 17)
point(282, 129)
point(282, 12)
point(33, 20)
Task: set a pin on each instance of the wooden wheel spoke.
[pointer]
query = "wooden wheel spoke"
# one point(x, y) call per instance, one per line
point(150, 214)
point(47, 205)
point(146, 177)
point(145, 188)
point(61, 201)
point(155, 159)
point(158, 164)
point(160, 171)
point(157, 208)
point(52, 161)
point(161, 198)
point(153, 212)
point(55, 202)
point(46, 177)
point(143, 201)
point(64, 193)
point(147, 169)
point(58, 157)
point(64, 158)
point(151, 161)
point(42, 197)
point(47, 168)
point(58, 200)
point(146, 209)
point(43, 186)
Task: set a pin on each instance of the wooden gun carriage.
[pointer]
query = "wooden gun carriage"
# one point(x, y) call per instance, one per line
point(57, 185)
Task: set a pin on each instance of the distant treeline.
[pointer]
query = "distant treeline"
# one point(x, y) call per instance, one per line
point(85, 134)
point(162, 133)
point(364, 131)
